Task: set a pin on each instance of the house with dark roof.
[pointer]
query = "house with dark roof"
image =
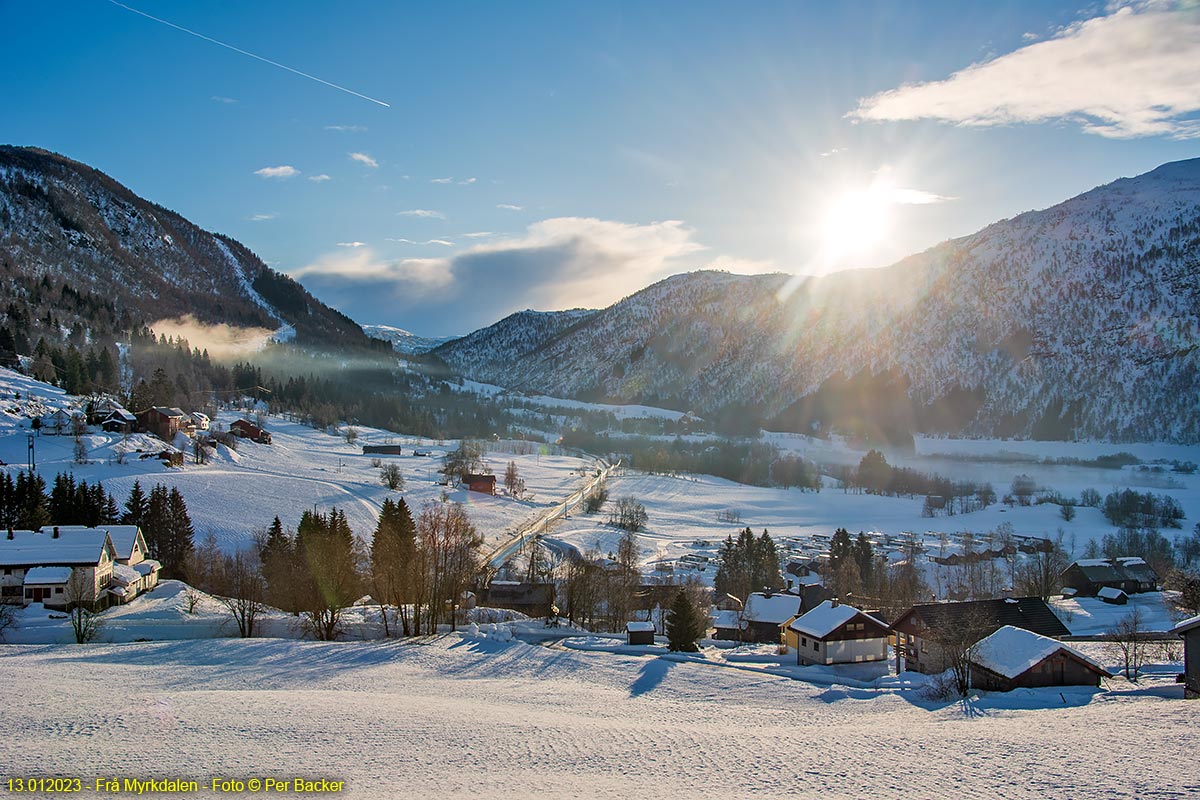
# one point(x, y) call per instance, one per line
point(1131, 575)
point(921, 629)
point(762, 619)
point(836, 633)
point(1189, 631)
point(1014, 658)
point(531, 599)
point(248, 430)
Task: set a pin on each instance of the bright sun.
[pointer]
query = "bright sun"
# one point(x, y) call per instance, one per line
point(858, 220)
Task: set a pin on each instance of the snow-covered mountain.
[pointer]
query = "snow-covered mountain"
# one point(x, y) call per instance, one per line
point(513, 338)
point(1081, 320)
point(66, 221)
point(405, 342)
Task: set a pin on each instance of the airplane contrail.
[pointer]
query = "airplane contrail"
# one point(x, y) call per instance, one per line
point(247, 53)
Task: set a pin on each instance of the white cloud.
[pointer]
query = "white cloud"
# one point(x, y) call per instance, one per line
point(1132, 72)
point(509, 207)
point(319, 178)
point(362, 264)
point(478, 235)
point(217, 98)
point(284, 171)
point(442, 242)
point(423, 213)
point(363, 158)
point(347, 128)
point(351, 244)
point(442, 180)
point(262, 217)
point(466, 181)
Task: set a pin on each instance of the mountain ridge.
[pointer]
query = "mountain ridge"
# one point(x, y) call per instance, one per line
point(1078, 320)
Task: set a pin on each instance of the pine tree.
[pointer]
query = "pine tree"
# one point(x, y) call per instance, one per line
point(181, 536)
point(135, 506)
point(685, 625)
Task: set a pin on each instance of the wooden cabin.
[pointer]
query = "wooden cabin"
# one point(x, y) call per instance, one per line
point(1189, 631)
point(919, 628)
point(485, 484)
point(1013, 658)
point(1131, 575)
point(248, 430)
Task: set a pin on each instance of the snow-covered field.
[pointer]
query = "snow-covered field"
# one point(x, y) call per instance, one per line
point(466, 717)
point(240, 491)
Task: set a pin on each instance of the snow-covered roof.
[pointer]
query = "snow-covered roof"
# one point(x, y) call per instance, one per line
point(121, 414)
point(148, 566)
point(1069, 591)
point(1110, 593)
point(776, 609)
point(48, 575)
point(125, 574)
point(1127, 561)
point(35, 548)
point(727, 620)
point(123, 536)
point(1187, 625)
point(811, 579)
point(639, 627)
point(825, 618)
point(1011, 652)
point(118, 590)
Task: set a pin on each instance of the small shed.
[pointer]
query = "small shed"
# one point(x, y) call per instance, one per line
point(1116, 597)
point(1189, 631)
point(639, 632)
point(485, 484)
point(1129, 574)
point(1013, 658)
point(766, 613)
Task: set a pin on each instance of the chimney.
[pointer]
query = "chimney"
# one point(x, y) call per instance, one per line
point(10, 533)
point(55, 531)
point(833, 603)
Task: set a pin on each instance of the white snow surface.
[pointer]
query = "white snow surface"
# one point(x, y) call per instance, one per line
point(1013, 651)
point(467, 717)
point(37, 575)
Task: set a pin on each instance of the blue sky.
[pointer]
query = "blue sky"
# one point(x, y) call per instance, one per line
point(556, 155)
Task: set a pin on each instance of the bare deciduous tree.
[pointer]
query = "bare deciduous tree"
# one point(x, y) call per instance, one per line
point(240, 589)
point(80, 597)
point(1127, 642)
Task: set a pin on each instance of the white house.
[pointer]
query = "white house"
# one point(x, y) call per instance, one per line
point(140, 573)
point(835, 633)
point(86, 557)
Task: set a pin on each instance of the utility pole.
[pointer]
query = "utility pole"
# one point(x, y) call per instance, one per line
point(31, 457)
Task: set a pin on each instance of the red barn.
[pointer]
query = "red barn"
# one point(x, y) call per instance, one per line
point(480, 483)
point(248, 430)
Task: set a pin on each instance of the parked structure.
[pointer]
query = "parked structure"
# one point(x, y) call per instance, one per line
point(485, 484)
point(1013, 658)
point(119, 421)
point(1131, 575)
point(836, 633)
point(639, 632)
point(1116, 597)
point(1189, 630)
point(248, 430)
point(921, 629)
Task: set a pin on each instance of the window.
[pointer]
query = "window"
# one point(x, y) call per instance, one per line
point(816, 646)
point(29, 594)
point(7, 571)
point(58, 590)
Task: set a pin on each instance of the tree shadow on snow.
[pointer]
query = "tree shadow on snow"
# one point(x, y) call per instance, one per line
point(652, 674)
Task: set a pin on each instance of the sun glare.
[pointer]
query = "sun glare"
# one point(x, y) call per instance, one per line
point(857, 220)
